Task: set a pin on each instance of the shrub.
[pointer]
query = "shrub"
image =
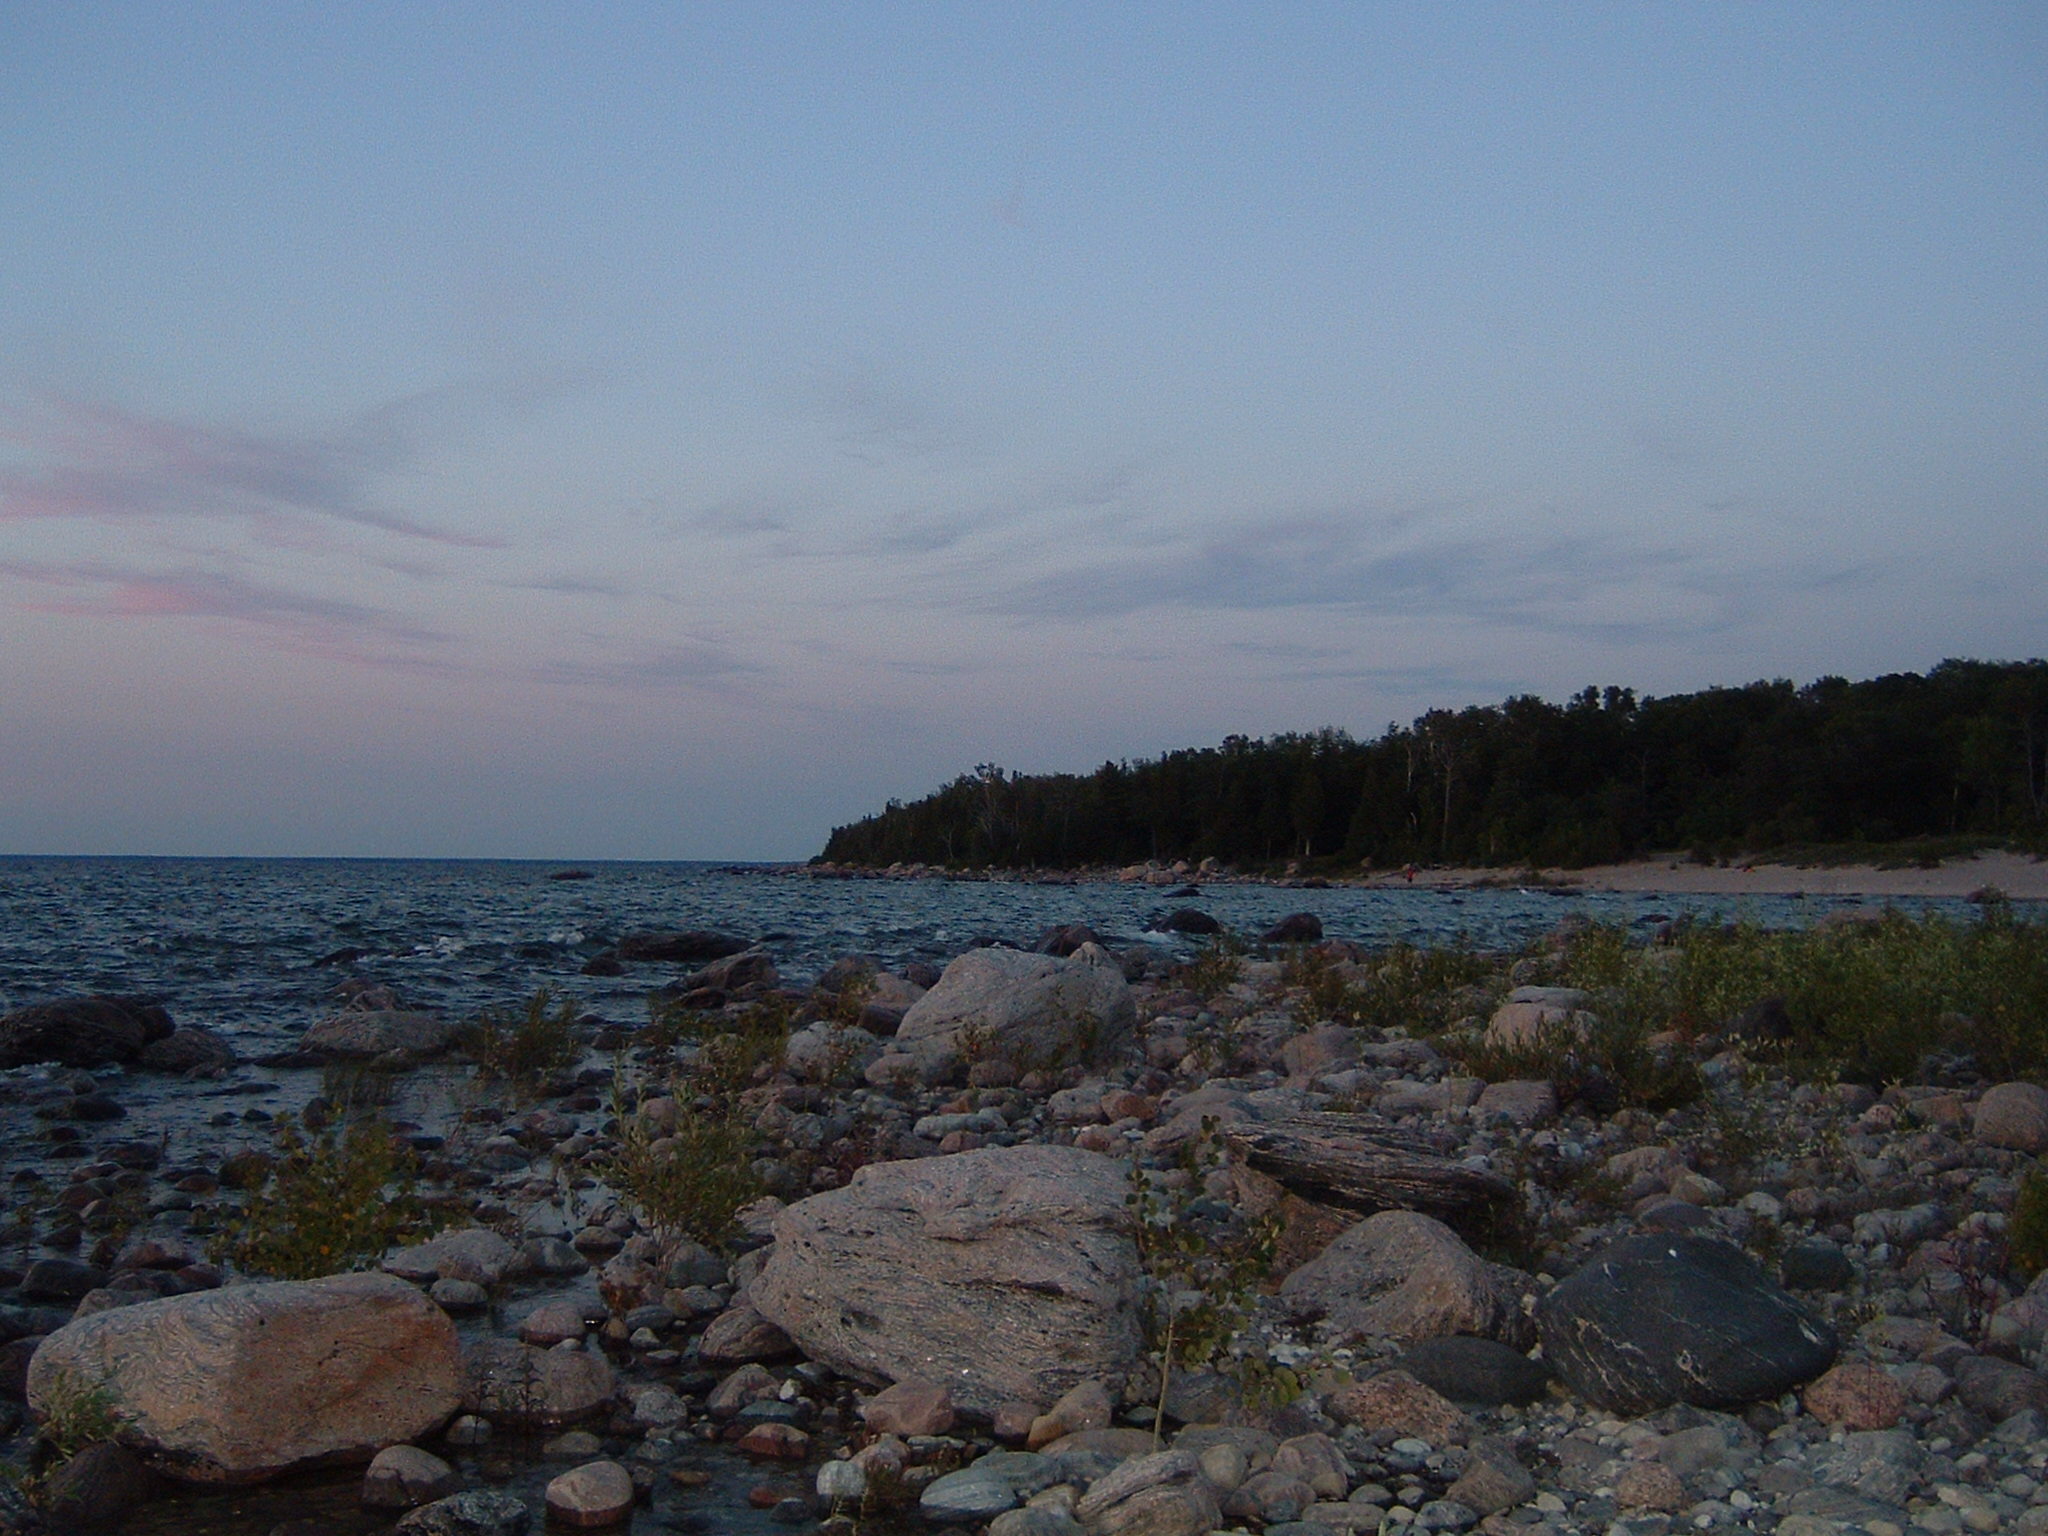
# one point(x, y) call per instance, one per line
point(690, 1182)
point(527, 1046)
point(76, 1414)
point(2026, 1235)
point(333, 1200)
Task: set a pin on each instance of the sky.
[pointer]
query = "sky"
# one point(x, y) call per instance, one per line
point(672, 430)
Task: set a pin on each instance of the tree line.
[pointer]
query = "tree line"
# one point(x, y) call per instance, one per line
point(1960, 751)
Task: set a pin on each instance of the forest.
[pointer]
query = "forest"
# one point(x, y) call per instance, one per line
point(1959, 753)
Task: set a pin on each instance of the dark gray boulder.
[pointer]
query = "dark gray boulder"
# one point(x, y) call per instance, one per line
point(693, 946)
point(82, 1031)
point(1188, 920)
point(1661, 1319)
point(1472, 1372)
point(1295, 928)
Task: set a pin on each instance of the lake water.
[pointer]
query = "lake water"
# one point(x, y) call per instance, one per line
point(237, 944)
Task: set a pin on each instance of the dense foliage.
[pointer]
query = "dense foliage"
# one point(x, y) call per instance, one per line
point(1960, 751)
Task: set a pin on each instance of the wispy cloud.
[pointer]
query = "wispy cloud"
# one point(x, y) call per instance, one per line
point(1371, 565)
point(326, 625)
point(89, 460)
point(704, 665)
point(570, 586)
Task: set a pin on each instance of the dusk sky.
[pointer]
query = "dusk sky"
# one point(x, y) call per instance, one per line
point(667, 431)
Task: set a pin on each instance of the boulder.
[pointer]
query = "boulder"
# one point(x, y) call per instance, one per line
point(405, 1477)
point(1005, 1273)
point(1475, 1372)
point(2015, 1116)
point(244, 1383)
point(1032, 1010)
point(94, 1031)
point(513, 1383)
point(1188, 920)
point(1660, 1319)
point(692, 946)
point(1408, 1276)
point(361, 1035)
point(1295, 928)
point(595, 1494)
point(190, 1049)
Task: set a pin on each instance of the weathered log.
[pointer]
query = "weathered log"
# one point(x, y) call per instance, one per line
point(1359, 1163)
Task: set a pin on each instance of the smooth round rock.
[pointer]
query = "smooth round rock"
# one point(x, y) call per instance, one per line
point(594, 1494)
point(405, 1477)
point(963, 1497)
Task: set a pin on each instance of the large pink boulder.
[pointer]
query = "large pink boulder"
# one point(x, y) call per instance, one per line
point(1005, 1273)
point(250, 1381)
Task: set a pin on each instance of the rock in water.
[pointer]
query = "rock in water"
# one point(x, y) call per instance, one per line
point(82, 1031)
point(360, 1036)
point(1005, 1273)
point(1029, 1010)
point(1656, 1320)
point(241, 1384)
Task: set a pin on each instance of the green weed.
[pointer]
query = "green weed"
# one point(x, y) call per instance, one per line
point(691, 1181)
point(333, 1200)
point(529, 1045)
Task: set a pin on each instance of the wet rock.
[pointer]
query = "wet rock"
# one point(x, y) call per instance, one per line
point(241, 1384)
point(750, 1383)
point(1007, 1273)
point(1407, 1276)
point(1295, 928)
point(598, 1493)
point(363, 1035)
point(513, 1383)
point(1656, 1320)
point(775, 1442)
point(95, 1031)
point(1031, 1010)
point(964, 1497)
point(1188, 920)
point(472, 1253)
point(189, 1049)
point(405, 1477)
point(690, 946)
point(479, 1512)
point(554, 1322)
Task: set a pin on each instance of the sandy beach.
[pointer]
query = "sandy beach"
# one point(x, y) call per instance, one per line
point(2019, 876)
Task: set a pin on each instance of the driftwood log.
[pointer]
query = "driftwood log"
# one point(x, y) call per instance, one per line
point(1359, 1163)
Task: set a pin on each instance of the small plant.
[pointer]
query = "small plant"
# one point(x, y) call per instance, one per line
point(688, 1182)
point(1202, 1267)
point(2026, 1234)
point(1215, 967)
point(527, 1046)
point(333, 1200)
point(76, 1414)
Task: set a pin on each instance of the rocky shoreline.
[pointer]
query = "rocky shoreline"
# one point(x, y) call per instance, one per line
point(1405, 1297)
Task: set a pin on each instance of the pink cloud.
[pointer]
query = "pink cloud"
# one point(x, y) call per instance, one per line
point(79, 459)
